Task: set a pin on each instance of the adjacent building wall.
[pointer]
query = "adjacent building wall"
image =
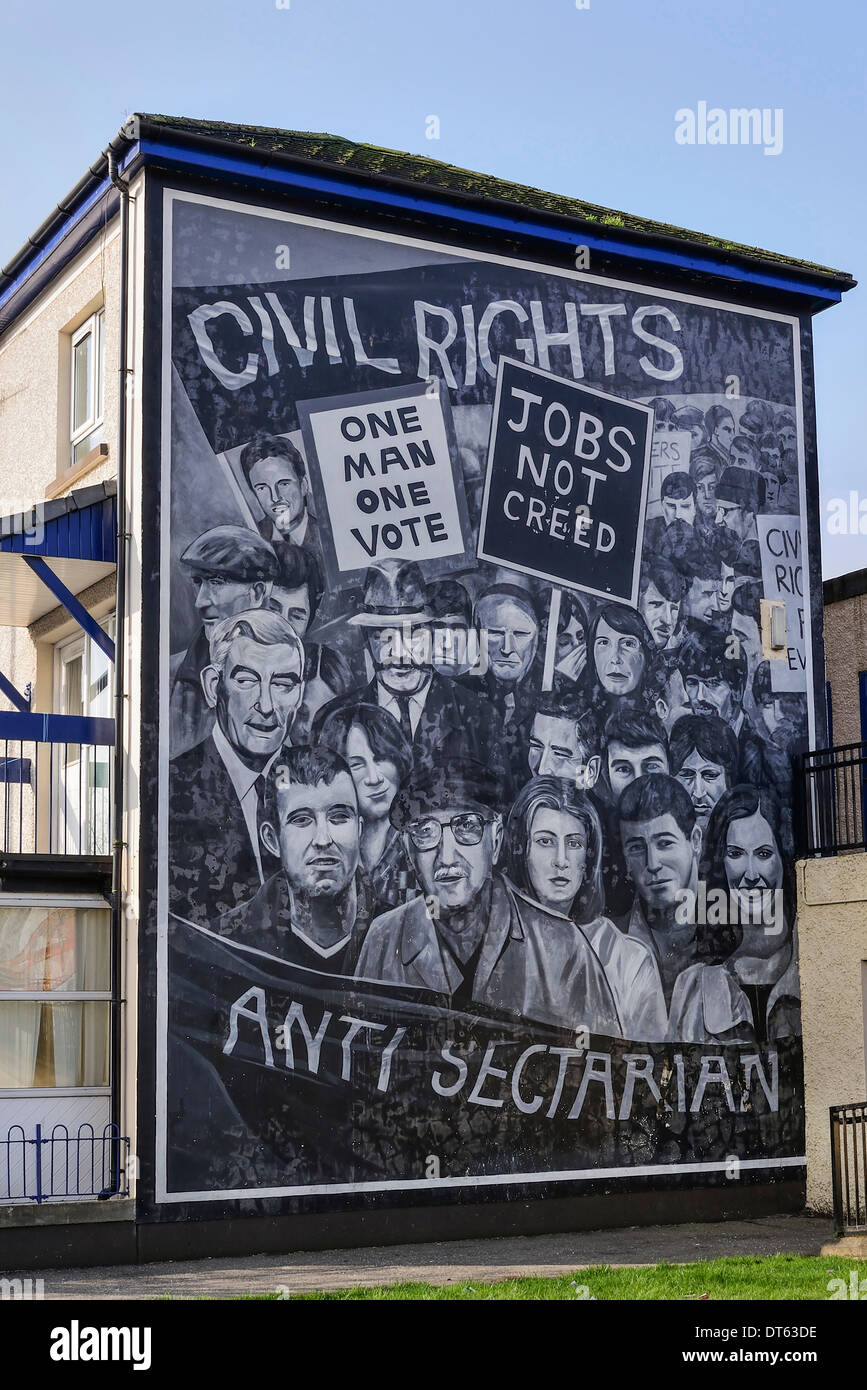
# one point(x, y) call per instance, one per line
point(846, 651)
point(832, 927)
point(34, 443)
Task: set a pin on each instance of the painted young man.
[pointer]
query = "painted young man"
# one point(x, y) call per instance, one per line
point(661, 845)
point(297, 589)
point(314, 910)
point(660, 599)
point(714, 670)
point(635, 744)
point(704, 759)
point(678, 502)
point(276, 476)
point(564, 741)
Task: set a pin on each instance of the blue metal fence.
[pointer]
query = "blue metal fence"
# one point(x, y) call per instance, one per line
point(57, 1166)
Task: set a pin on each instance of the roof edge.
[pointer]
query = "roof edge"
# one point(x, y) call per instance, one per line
point(150, 127)
point(844, 586)
point(68, 205)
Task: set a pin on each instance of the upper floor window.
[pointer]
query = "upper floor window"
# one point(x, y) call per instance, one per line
point(87, 386)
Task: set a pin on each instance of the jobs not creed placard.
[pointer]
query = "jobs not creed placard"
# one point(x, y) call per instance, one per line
point(567, 480)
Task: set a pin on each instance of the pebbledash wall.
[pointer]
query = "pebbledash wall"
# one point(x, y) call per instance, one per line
point(34, 432)
point(272, 1085)
point(424, 410)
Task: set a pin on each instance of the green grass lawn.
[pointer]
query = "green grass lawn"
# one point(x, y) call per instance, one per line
point(779, 1277)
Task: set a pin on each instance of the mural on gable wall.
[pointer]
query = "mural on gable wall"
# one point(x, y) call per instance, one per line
point(478, 785)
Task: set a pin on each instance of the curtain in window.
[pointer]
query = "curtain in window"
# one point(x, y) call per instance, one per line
point(19, 1038)
point(49, 1041)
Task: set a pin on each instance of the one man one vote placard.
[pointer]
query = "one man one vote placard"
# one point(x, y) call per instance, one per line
point(388, 481)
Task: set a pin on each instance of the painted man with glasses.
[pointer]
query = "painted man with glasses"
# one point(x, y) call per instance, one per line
point(471, 935)
point(254, 684)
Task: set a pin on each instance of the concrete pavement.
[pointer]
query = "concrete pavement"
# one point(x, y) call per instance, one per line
point(460, 1261)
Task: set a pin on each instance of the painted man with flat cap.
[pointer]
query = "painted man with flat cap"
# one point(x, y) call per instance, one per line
point(472, 936)
point(232, 570)
point(431, 709)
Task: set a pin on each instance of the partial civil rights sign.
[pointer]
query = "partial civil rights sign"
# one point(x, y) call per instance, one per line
point(783, 582)
point(386, 478)
point(567, 480)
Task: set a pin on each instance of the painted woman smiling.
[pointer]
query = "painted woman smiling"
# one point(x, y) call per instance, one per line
point(753, 995)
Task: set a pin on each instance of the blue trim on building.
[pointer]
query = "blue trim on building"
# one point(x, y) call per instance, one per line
point(53, 242)
point(262, 171)
point(437, 206)
point(84, 207)
point(56, 728)
point(13, 694)
point(84, 533)
point(76, 610)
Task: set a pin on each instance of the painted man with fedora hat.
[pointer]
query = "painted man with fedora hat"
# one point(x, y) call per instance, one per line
point(432, 710)
point(473, 936)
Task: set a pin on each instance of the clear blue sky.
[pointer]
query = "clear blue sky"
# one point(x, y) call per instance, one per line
point(578, 101)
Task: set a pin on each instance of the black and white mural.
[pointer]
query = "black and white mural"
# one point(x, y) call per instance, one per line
point(475, 756)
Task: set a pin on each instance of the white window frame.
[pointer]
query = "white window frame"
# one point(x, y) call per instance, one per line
point(94, 325)
point(85, 900)
point(78, 644)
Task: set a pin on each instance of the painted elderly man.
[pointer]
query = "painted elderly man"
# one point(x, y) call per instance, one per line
point(472, 936)
point(254, 684)
point(231, 569)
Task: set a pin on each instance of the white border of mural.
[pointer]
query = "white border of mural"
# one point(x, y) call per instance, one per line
point(162, 1194)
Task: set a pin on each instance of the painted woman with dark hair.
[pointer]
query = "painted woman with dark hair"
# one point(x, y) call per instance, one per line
point(753, 995)
point(554, 853)
point(379, 757)
point(623, 663)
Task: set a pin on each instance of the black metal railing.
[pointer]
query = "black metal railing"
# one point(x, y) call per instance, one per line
point(849, 1167)
point(57, 1166)
point(831, 800)
point(56, 784)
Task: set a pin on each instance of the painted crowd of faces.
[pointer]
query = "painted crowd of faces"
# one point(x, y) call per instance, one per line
point(632, 694)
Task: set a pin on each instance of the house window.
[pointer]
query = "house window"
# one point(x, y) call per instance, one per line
point(82, 772)
point(55, 992)
point(87, 380)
